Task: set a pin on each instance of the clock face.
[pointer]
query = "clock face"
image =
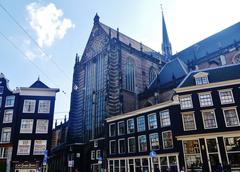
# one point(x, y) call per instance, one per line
point(236, 59)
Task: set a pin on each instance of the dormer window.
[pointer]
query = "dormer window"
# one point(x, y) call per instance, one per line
point(201, 78)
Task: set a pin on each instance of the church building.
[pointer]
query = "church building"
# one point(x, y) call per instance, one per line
point(117, 75)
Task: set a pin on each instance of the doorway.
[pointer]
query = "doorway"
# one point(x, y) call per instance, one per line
point(214, 158)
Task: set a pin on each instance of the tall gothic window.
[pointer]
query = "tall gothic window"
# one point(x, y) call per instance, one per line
point(130, 75)
point(152, 74)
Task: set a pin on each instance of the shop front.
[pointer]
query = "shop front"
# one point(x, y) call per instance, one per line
point(144, 163)
point(212, 153)
point(27, 167)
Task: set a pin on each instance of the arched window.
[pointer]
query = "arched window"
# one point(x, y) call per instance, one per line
point(152, 74)
point(130, 75)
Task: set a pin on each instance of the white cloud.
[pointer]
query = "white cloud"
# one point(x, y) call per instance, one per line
point(48, 23)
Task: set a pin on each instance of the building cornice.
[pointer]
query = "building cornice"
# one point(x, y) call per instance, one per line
point(26, 91)
point(144, 110)
point(207, 86)
point(209, 135)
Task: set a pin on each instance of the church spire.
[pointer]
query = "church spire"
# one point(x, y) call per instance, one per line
point(166, 45)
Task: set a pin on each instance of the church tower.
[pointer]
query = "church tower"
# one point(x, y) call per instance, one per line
point(166, 45)
point(76, 125)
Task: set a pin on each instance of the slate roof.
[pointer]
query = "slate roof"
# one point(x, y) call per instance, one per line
point(38, 84)
point(220, 40)
point(218, 74)
point(171, 72)
point(127, 40)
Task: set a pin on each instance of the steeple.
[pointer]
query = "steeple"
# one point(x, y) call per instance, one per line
point(96, 18)
point(166, 45)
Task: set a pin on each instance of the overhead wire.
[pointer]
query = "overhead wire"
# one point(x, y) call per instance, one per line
point(21, 52)
point(33, 40)
point(36, 43)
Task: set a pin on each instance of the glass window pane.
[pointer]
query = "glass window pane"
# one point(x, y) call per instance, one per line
point(141, 123)
point(167, 140)
point(152, 121)
point(130, 126)
point(188, 121)
point(209, 119)
point(226, 96)
point(186, 102)
point(165, 118)
point(121, 128)
point(142, 141)
point(205, 99)
point(154, 141)
point(231, 117)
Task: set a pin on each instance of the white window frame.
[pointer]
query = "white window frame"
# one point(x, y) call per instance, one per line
point(12, 105)
point(201, 80)
point(25, 104)
point(110, 150)
point(40, 110)
point(128, 132)
point(205, 93)
point(139, 142)
point(110, 130)
point(152, 114)
point(98, 154)
point(95, 143)
point(184, 96)
point(3, 138)
point(34, 149)
point(5, 116)
point(203, 118)
point(40, 131)
point(164, 139)
point(230, 108)
point(225, 146)
point(224, 90)
point(124, 128)
point(25, 131)
point(138, 118)
point(195, 127)
point(129, 146)
point(93, 155)
point(4, 151)
point(161, 121)
point(29, 148)
point(150, 142)
point(119, 146)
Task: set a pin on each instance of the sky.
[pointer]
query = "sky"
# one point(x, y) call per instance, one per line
point(41, 38)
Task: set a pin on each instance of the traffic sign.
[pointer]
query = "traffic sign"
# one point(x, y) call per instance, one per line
point(99, 158)
point(153, 154)
point(71, 163)
point(45, 158)
point(45, 153)
point(45, 161)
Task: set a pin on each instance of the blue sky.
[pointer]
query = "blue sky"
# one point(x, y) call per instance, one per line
point(188, 21)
